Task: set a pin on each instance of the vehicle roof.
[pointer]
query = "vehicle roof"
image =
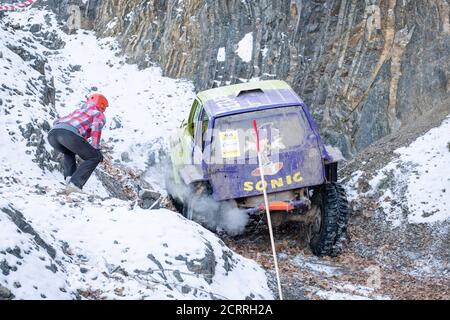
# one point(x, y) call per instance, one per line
point(246, 97)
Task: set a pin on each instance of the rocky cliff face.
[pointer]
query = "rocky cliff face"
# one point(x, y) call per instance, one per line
point(365, 67)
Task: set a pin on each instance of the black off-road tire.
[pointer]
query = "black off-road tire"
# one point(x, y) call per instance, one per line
point(332, 201)
point(169, 183)
point(176, 203)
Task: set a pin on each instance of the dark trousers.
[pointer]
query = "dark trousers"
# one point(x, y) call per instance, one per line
point(71, 144)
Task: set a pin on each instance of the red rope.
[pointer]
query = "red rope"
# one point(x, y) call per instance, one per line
point(15, 7)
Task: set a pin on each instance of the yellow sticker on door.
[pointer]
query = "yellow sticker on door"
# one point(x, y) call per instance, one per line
point(229, 144)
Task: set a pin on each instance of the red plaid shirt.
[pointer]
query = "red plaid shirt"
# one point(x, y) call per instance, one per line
point(89, 122)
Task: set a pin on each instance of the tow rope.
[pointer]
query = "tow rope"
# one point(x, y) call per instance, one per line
point(18, 6)
point(266, 202)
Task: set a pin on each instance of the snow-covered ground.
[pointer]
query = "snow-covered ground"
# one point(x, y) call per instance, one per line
point(418, 181)
point(401, 203)
point(95, 246)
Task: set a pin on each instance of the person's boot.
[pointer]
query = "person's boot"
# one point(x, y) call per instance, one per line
point(67, 180)
point(70, 188)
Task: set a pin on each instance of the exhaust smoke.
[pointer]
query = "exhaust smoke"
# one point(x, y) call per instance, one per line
point(216, 216)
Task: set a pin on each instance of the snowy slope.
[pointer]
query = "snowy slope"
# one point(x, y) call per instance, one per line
point(418, 181)
point(95, 246)
point(400, 192)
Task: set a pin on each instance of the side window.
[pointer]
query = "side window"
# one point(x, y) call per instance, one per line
point(192, 118)
point(200, 125)
point(205, 121)
point(197, 113)
point(197, 122)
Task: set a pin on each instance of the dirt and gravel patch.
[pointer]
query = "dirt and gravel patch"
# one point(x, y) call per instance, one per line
point(348, 276)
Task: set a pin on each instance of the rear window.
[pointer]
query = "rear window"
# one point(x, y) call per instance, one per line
point(280, 129)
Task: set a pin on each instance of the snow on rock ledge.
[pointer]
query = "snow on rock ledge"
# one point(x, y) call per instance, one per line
point(102, 249)
point(245, 48)
point(418, 181)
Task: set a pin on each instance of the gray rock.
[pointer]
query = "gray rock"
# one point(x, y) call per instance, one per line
point(5, 293)
point(15, 252)
point(114, 187)
point(178, 276)
point(75, 68)
point(228, 260)
point(35, 134)
point(205, 266)
point(148, 199)
point(37, 61)
point(4, 267)
point(149, 194)
point(52, 267)
point(185, 289)
point(83, 270)
point(51, 40)
point(125, 156)
point(19, 220)
point(35, 28)
point(159, 265)
point(116, 123)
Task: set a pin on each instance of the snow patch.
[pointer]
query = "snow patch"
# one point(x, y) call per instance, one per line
point(351, 187)
point(264, 52)
point(419, 179)
point(245, 48)
point(221, 54)
point(112, 23)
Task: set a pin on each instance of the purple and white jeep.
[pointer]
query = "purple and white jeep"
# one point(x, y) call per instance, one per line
point(214, 156)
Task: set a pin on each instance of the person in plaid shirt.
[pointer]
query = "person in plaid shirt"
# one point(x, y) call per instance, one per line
point(70, 135)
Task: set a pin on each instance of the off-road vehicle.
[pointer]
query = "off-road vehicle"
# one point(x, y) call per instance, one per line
point(214, 157)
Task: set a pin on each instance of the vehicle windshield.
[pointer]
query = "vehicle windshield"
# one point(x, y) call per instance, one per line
point(280, 129)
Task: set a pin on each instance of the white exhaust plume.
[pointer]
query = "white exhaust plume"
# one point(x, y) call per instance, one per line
point(212, 214)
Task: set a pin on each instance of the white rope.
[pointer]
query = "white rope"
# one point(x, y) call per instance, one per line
point(16, 7)
point(266, 203)
point(269, 221)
